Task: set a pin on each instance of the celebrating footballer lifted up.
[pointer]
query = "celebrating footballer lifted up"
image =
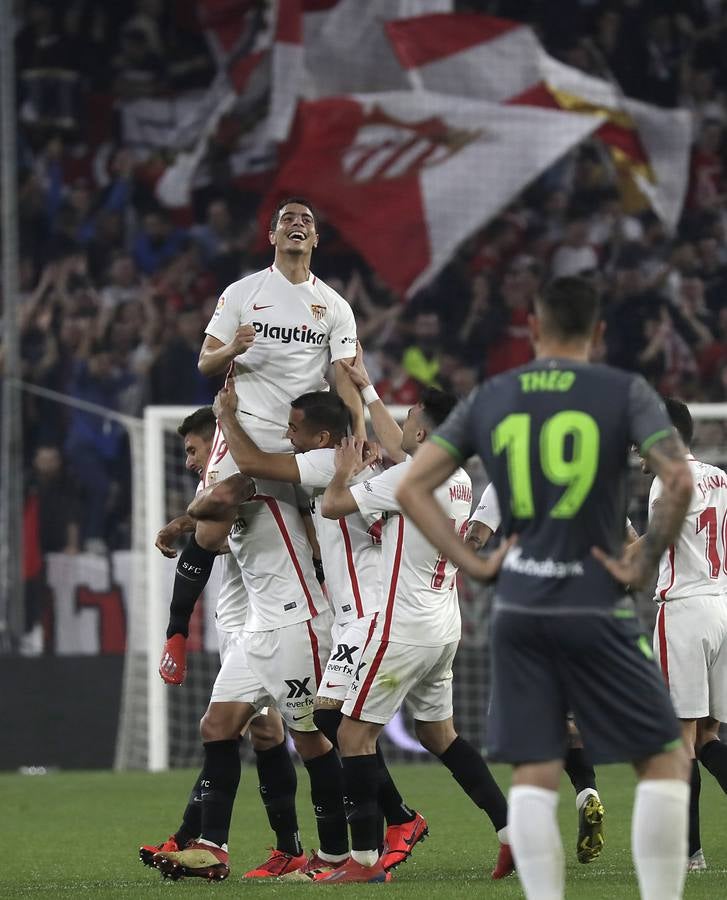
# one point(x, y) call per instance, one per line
point(276, 332)
point(554, 436)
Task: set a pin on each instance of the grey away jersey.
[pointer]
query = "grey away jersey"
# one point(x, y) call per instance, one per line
point(554, 436)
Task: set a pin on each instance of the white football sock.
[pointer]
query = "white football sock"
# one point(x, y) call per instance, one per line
point(659, 837)
point(535, 840)
point(365, 857)
point(584, 795)
point(502, 836)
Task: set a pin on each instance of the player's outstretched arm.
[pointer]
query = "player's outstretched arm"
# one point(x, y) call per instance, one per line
point(170, 534)
point(385, 426)
point(431, 467)
point(667, 459)
point(215, 357)
point(249, 458)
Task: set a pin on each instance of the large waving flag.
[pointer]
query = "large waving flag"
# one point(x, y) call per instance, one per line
point(406, 176)
point(502, 61)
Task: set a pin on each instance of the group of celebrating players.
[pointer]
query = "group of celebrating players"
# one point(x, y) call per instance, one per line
point(336, 664)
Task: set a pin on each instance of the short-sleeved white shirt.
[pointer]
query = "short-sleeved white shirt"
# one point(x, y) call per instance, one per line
point(299, 330)
point(419, 599)
point(350, 549)
point(696, 564)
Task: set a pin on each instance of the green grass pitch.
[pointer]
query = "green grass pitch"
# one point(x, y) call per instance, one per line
point(75, 835)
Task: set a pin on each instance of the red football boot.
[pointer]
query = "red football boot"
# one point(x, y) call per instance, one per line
point(197, 860)
point(399, 841)
point(505, 864)
point(314, 866)
point(351, 871)
point(277, 864)
point(147, 851)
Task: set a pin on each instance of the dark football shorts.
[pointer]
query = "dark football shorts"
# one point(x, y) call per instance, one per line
point(599, 667)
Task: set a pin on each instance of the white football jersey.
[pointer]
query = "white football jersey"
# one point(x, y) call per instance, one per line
point(419, 598)
point(696, 565)
point(272, 549)
point(299, 330)
point(350, 547)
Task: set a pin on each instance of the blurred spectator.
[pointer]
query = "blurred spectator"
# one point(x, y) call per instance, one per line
point(175, 378)
point(421, 358)
point(575, 254)
point(96, 446)
point(51, 525)
point(396, 386)
point(157, 242)
point(139, 69)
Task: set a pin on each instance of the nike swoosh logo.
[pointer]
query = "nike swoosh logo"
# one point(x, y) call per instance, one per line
point(255, 306)
point(298, 718)
point(329, 685)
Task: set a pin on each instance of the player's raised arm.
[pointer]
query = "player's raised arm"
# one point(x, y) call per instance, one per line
point(385, 426)
point(337, 499)
point(248, 457)
point(215, 356)
point(431, 467)
point(171, 532)
point(348, 392)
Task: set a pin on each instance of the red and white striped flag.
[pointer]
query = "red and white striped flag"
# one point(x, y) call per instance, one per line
point(407, 176)
point(502, 61)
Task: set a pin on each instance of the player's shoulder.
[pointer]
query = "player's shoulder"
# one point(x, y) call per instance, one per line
point(247, 284)
point(704, 471)
point(329, 294)
point(457, 487)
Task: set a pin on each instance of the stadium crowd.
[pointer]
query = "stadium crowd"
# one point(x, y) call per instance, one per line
point(116, 289)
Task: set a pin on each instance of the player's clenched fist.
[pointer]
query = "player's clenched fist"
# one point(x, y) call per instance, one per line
point(243, 339)
point(173, 664)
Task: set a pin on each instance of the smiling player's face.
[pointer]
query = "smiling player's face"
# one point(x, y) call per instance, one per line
point(295, 232)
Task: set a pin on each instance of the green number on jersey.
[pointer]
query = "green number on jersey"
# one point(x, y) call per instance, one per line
point(513, 436)
point(577, 474)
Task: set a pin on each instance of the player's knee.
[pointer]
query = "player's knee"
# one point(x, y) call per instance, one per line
point(214, 727)
point(327, 720)
point(435, 737)
point(266, 732)
point(310, 744)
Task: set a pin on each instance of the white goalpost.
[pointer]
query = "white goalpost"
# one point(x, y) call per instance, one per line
point(158, 724)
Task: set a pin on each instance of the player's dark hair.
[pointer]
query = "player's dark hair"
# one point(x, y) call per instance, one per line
point(437, 405)
point(569, 307)
point(201, 422)
point(326, 411)
point(283, 203)
point(681, 418)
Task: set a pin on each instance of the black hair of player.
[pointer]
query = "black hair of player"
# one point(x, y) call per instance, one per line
point(325, 411)
point(681, 418)
point(437, 405)
point(301, 201)
point(201, 422)
point(569, 307)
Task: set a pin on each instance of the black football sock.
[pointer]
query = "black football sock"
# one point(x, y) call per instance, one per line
point(327, 721)
point(326, 792)
point(220, 778)
point(278, 783)
point(392, 805)
point(193, 572)
point(472, 775)
point(695, 840)
point(191, 826)
point(579, 769)
point(713, 756)
point(360, 786)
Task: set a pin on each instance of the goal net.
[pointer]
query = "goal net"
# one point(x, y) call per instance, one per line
point(159, 724)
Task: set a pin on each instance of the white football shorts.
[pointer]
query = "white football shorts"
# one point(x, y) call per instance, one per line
point(287, 666)
point(347, 644)
point(690, 645)
point(388, 673)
